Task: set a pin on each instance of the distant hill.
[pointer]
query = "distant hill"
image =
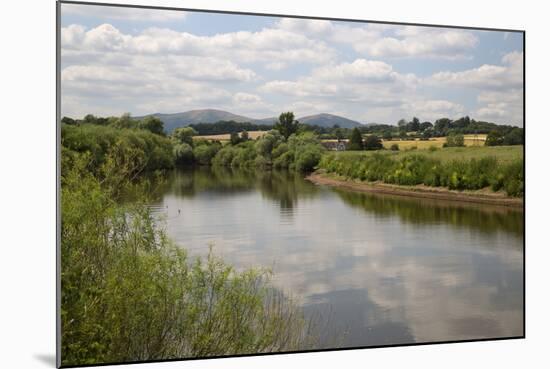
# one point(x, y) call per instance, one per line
point(173, 121)
point(329, 120)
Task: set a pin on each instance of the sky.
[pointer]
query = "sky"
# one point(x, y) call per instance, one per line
point(142, 61)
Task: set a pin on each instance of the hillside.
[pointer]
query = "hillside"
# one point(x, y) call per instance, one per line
point(329, 120)
point(172, 121)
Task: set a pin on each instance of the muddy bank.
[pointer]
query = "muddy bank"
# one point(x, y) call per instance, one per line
point(485, 196)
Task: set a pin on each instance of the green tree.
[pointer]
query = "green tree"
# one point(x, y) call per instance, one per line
point(514, 137)
point(455, 140)
point(152, 124)
point(69, 121)
point(244, 136)
point(387, 135)
point(125, 121)
point(494, 138)
point(373, 142)
point(234, 138)
point(183, 154)
point(184, 135)
point(414, 125)
point(286, 124)
point(355, 140)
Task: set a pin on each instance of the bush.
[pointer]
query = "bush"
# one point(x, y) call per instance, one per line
point(204, 152)
point(455, 140)
point(394, 147)
point(183, 154)
point(128, 294)
point(373, 142)
point(414, 169)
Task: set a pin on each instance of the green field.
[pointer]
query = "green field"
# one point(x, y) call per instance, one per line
point(503, 154)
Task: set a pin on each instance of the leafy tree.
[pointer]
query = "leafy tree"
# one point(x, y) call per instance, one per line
point(355, 140)
point(265, 144)
point(152, 124)
point(125, 121)
point(387, 135)
point(339, 133)
point(184, 135)
point(244, 136)
point(494, 138)
point(514, 137)
point(69, 121)
point(414, 125)
point(89, 119)
point(183, 154)
point(234, 138)
point(373, 142)
point(455, 140)
point(403, 135)
point(286, 124)
point(442, 125)
point(425, 126)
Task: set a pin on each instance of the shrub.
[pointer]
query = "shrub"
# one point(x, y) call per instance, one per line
point(394, 147)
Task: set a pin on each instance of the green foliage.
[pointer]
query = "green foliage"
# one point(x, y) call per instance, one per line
point(223, 127)
point(286, 124)
point(455, 140)
point(205, 151)
point(234, 138)
point(183, 154)
point(372, 142)
point(301, 152)
point(152, 124)
point(184, 135)
point(146, 150)
point(414, 169)
point(355, 140)
point(129, 294)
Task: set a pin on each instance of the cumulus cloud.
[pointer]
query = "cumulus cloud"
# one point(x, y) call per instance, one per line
point(267, 45)
point(500, 88)
point(365, 81)
point(507, 75)
point(378, 40)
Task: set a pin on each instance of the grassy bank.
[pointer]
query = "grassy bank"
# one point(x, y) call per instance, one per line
point(472, 168)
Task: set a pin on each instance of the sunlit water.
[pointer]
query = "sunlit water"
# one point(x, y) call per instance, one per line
point(381, 270)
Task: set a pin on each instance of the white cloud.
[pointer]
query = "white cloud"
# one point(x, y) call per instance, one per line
point(433, 109)
point(122, 13)
point(267, 45)
point(361, 80)
point(499, 88)
point(378, 40)
point(508, 75)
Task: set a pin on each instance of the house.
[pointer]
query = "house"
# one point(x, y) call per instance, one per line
point(334, 145)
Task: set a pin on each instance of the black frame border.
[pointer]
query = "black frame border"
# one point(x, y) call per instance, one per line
point(196, 10)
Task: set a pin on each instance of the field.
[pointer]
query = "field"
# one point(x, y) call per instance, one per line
point(225, 137)
point(503, 154)
point(469, 140)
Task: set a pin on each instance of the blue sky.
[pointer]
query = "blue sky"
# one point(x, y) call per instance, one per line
point(117, 60)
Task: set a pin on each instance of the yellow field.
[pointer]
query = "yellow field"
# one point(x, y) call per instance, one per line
point(469, 140)
point(225, 137)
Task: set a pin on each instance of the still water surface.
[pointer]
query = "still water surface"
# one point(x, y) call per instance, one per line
point(380, 269)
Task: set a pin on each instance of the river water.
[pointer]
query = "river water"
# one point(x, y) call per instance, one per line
point(375, 269)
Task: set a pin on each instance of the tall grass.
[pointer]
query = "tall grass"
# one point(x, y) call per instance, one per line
point(129, 294)
point(415, 169)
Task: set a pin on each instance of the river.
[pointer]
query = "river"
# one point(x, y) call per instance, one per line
point(375, 269)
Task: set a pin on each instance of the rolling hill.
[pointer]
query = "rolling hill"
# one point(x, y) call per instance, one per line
point(172, 121)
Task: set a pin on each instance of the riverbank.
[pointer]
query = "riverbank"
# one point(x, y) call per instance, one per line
point(484, 196)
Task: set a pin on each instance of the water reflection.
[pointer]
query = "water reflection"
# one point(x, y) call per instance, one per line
point(385, 269)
